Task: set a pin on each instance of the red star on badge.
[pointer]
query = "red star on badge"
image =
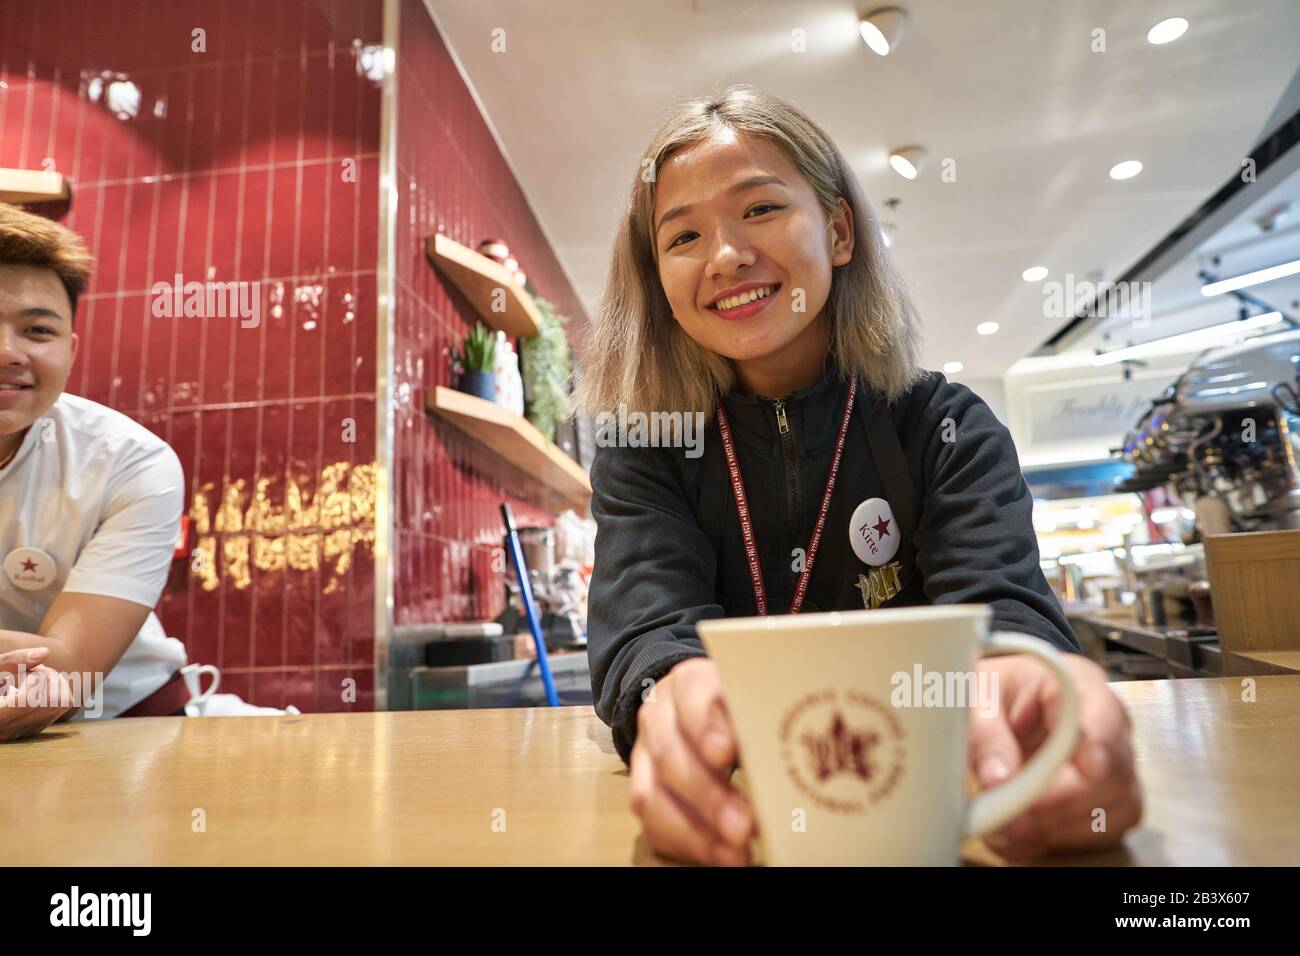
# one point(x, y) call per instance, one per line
point(881, 526)
point(29, 564)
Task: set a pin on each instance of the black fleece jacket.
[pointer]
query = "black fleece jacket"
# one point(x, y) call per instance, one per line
point(669, 550)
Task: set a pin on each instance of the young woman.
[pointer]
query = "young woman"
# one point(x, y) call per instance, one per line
point(750, 283)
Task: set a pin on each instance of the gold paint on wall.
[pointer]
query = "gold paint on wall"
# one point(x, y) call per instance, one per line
point(309, 533)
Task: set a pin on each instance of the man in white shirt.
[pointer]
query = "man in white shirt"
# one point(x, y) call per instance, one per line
point(90, 505)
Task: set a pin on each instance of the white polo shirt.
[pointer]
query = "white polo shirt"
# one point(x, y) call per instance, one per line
point(102, 496)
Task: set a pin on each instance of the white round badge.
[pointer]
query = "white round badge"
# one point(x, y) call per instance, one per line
point(30, 569)
point(874, 533)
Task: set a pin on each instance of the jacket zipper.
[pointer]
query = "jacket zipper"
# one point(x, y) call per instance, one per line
point(791, 459)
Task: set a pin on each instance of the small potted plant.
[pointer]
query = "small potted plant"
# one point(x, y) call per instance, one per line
point(475, 363)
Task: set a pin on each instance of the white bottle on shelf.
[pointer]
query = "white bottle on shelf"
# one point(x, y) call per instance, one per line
point(509, 382)
point(500, 371)
point(516, 380)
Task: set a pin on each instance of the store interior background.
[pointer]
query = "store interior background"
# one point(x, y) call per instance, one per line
point(315, 543)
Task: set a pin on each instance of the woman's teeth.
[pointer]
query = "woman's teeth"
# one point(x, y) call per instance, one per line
point(736, 301)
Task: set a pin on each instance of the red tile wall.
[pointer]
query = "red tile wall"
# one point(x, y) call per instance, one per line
point(231, 169)
point(452, 179)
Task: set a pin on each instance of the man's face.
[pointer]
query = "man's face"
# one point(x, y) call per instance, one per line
point(37, 344)
point(771, 234)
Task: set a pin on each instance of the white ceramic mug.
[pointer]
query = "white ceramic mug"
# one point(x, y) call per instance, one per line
point(192, 674)
point(851, 760)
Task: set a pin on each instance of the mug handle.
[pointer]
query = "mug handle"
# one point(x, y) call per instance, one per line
point(992, 808)
point(205, 695)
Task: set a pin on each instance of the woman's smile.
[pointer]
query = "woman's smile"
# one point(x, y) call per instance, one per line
point(750, 300)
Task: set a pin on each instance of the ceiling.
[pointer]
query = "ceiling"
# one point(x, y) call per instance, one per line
point(1240, 246)
point(1011, 90)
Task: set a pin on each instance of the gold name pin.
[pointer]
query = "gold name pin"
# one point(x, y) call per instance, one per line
point(879, 585)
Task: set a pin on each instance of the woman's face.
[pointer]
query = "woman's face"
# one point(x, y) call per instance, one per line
point(734, 217)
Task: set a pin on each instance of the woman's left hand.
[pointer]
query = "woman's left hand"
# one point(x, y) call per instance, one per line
point(1095, 797)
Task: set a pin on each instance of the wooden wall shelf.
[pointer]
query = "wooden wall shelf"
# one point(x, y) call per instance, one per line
point(516, 440)
point(478, 278)
point(32, 185)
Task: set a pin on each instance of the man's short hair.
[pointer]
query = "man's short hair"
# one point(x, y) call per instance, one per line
point(27, 239)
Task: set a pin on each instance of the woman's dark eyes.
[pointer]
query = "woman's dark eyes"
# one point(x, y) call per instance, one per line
point(766, 206)
point(41, 330)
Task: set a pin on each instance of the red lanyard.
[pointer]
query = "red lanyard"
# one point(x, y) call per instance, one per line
point(742, 506)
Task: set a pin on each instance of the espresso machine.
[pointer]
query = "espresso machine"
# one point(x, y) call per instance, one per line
point(1224, 440)
point(1225, 437)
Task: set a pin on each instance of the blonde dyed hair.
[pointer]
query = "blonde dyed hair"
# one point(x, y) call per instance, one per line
point(637, 354)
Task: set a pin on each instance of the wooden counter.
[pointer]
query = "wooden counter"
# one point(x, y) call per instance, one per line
point(427, 787)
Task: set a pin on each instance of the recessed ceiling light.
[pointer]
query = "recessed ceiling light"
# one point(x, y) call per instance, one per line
point(908, 161)
point(952, 368)
point(1167, 31)
point(883, 29)
point(986, 328)
point(1034, 273)
point(1125, 170)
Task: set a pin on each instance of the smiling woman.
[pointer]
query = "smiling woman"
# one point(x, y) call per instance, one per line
point(755, 181)
point(750, 285)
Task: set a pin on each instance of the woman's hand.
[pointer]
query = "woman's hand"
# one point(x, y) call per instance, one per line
point(1099, 776)
point(19, 716)
point(681, 763)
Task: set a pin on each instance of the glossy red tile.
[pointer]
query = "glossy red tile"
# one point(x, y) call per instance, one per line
point(302, 592)
point(292, 586)
point(287, 92)
point(317, 106)
point(109, 238)
point(284, 223)
point(226, 251)
point(199, 193)
point(277, 336)
point(251, 217)
point(132, 330)
point(237, 682)
point(98, 326)
point(300, 689)
point(259, 113)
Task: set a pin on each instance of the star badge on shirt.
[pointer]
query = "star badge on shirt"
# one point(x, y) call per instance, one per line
point(30, 569)
point(873, 533)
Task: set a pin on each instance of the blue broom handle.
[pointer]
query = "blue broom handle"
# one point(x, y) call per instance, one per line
point(526, 589)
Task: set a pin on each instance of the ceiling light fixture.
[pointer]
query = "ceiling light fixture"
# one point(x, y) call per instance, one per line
point(952, 368)
point(883, 29)
point(1034, 273)
point(1258, 277)
point(1167, 31)
point(908, 161)
point(1189, 341)
point(1125, 170)
point(986, 328)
